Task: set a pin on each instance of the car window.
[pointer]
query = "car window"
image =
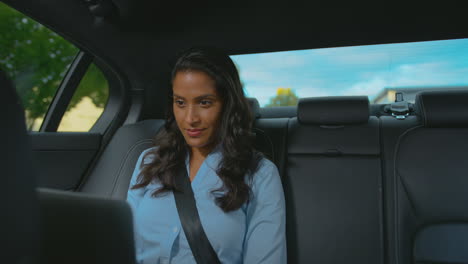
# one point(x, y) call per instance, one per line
point(88, 102)
point(37, 60)
point(378, 71)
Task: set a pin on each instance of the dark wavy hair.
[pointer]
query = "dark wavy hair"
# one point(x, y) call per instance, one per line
point(239, 158)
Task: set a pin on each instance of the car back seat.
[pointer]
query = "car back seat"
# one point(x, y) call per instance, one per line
point(333, 183)
point(270, 135)
point(111, 174)
point(431, 172)
point(113, 170)
point(271, 138)
point(390, 130)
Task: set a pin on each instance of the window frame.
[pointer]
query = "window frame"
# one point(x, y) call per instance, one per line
point(118, 103)
point(65, 91)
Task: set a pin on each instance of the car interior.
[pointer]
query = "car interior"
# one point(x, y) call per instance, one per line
point(363, 182)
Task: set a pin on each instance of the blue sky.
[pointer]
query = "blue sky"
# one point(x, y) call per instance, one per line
point(358, 70)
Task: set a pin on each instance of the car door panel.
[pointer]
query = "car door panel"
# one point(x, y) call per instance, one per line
point(61, 159)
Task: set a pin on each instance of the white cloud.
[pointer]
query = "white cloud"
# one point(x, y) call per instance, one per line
point(256, 75)
point(354, 55)
point(287, 61)
point(262, 93)
point(313, 92)
point(423, 74)
point(370, 87)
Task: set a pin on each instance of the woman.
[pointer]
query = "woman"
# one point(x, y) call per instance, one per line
point(238, 193)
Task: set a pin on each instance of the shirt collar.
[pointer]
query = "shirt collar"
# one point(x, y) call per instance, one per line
point(212, 159)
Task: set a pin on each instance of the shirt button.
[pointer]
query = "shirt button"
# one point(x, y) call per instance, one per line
point(175, 229)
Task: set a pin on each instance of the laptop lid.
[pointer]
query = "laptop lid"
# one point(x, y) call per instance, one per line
point(79, 228)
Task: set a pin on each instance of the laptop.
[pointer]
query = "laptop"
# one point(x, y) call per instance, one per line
point(80, 228)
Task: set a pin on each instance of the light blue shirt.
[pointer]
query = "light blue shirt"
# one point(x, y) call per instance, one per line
point(255, 233)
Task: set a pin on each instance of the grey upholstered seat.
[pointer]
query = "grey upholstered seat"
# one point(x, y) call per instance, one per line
point(333, 183)
point(112, 173)
point(431, 170)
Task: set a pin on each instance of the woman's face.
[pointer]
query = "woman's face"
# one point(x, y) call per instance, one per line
point(197, 108)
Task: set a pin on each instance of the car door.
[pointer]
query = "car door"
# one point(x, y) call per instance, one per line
point(72, 100)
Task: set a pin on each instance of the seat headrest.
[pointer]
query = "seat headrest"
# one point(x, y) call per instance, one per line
point(335, 110)
point(254, 107)
point(443, 108)
point(21, 220)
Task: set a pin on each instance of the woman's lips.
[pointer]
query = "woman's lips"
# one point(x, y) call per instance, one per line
point(194, 132)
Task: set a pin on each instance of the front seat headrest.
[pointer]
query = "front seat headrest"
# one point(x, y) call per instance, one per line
point(19, 223)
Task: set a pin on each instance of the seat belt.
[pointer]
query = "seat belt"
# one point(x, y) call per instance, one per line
point(188, 214)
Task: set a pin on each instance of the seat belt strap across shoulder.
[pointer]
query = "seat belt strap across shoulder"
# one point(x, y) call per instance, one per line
point(201, 248)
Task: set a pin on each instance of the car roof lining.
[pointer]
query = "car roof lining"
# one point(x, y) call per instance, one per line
point(253, 28)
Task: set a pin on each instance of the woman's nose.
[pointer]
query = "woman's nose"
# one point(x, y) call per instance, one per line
point(191, 116)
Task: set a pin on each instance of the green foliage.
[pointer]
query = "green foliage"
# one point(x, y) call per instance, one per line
point(284, 97)
point(94, 85)
point(37, 59)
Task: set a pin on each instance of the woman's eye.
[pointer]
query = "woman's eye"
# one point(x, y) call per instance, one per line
point(205, 102)
point(179, 102)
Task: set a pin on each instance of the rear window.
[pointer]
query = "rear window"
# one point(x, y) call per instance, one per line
point(378, 71)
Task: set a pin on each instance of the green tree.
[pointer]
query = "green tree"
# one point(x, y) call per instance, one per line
point(37, 59)
point(284, 97)
point(93, 85)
